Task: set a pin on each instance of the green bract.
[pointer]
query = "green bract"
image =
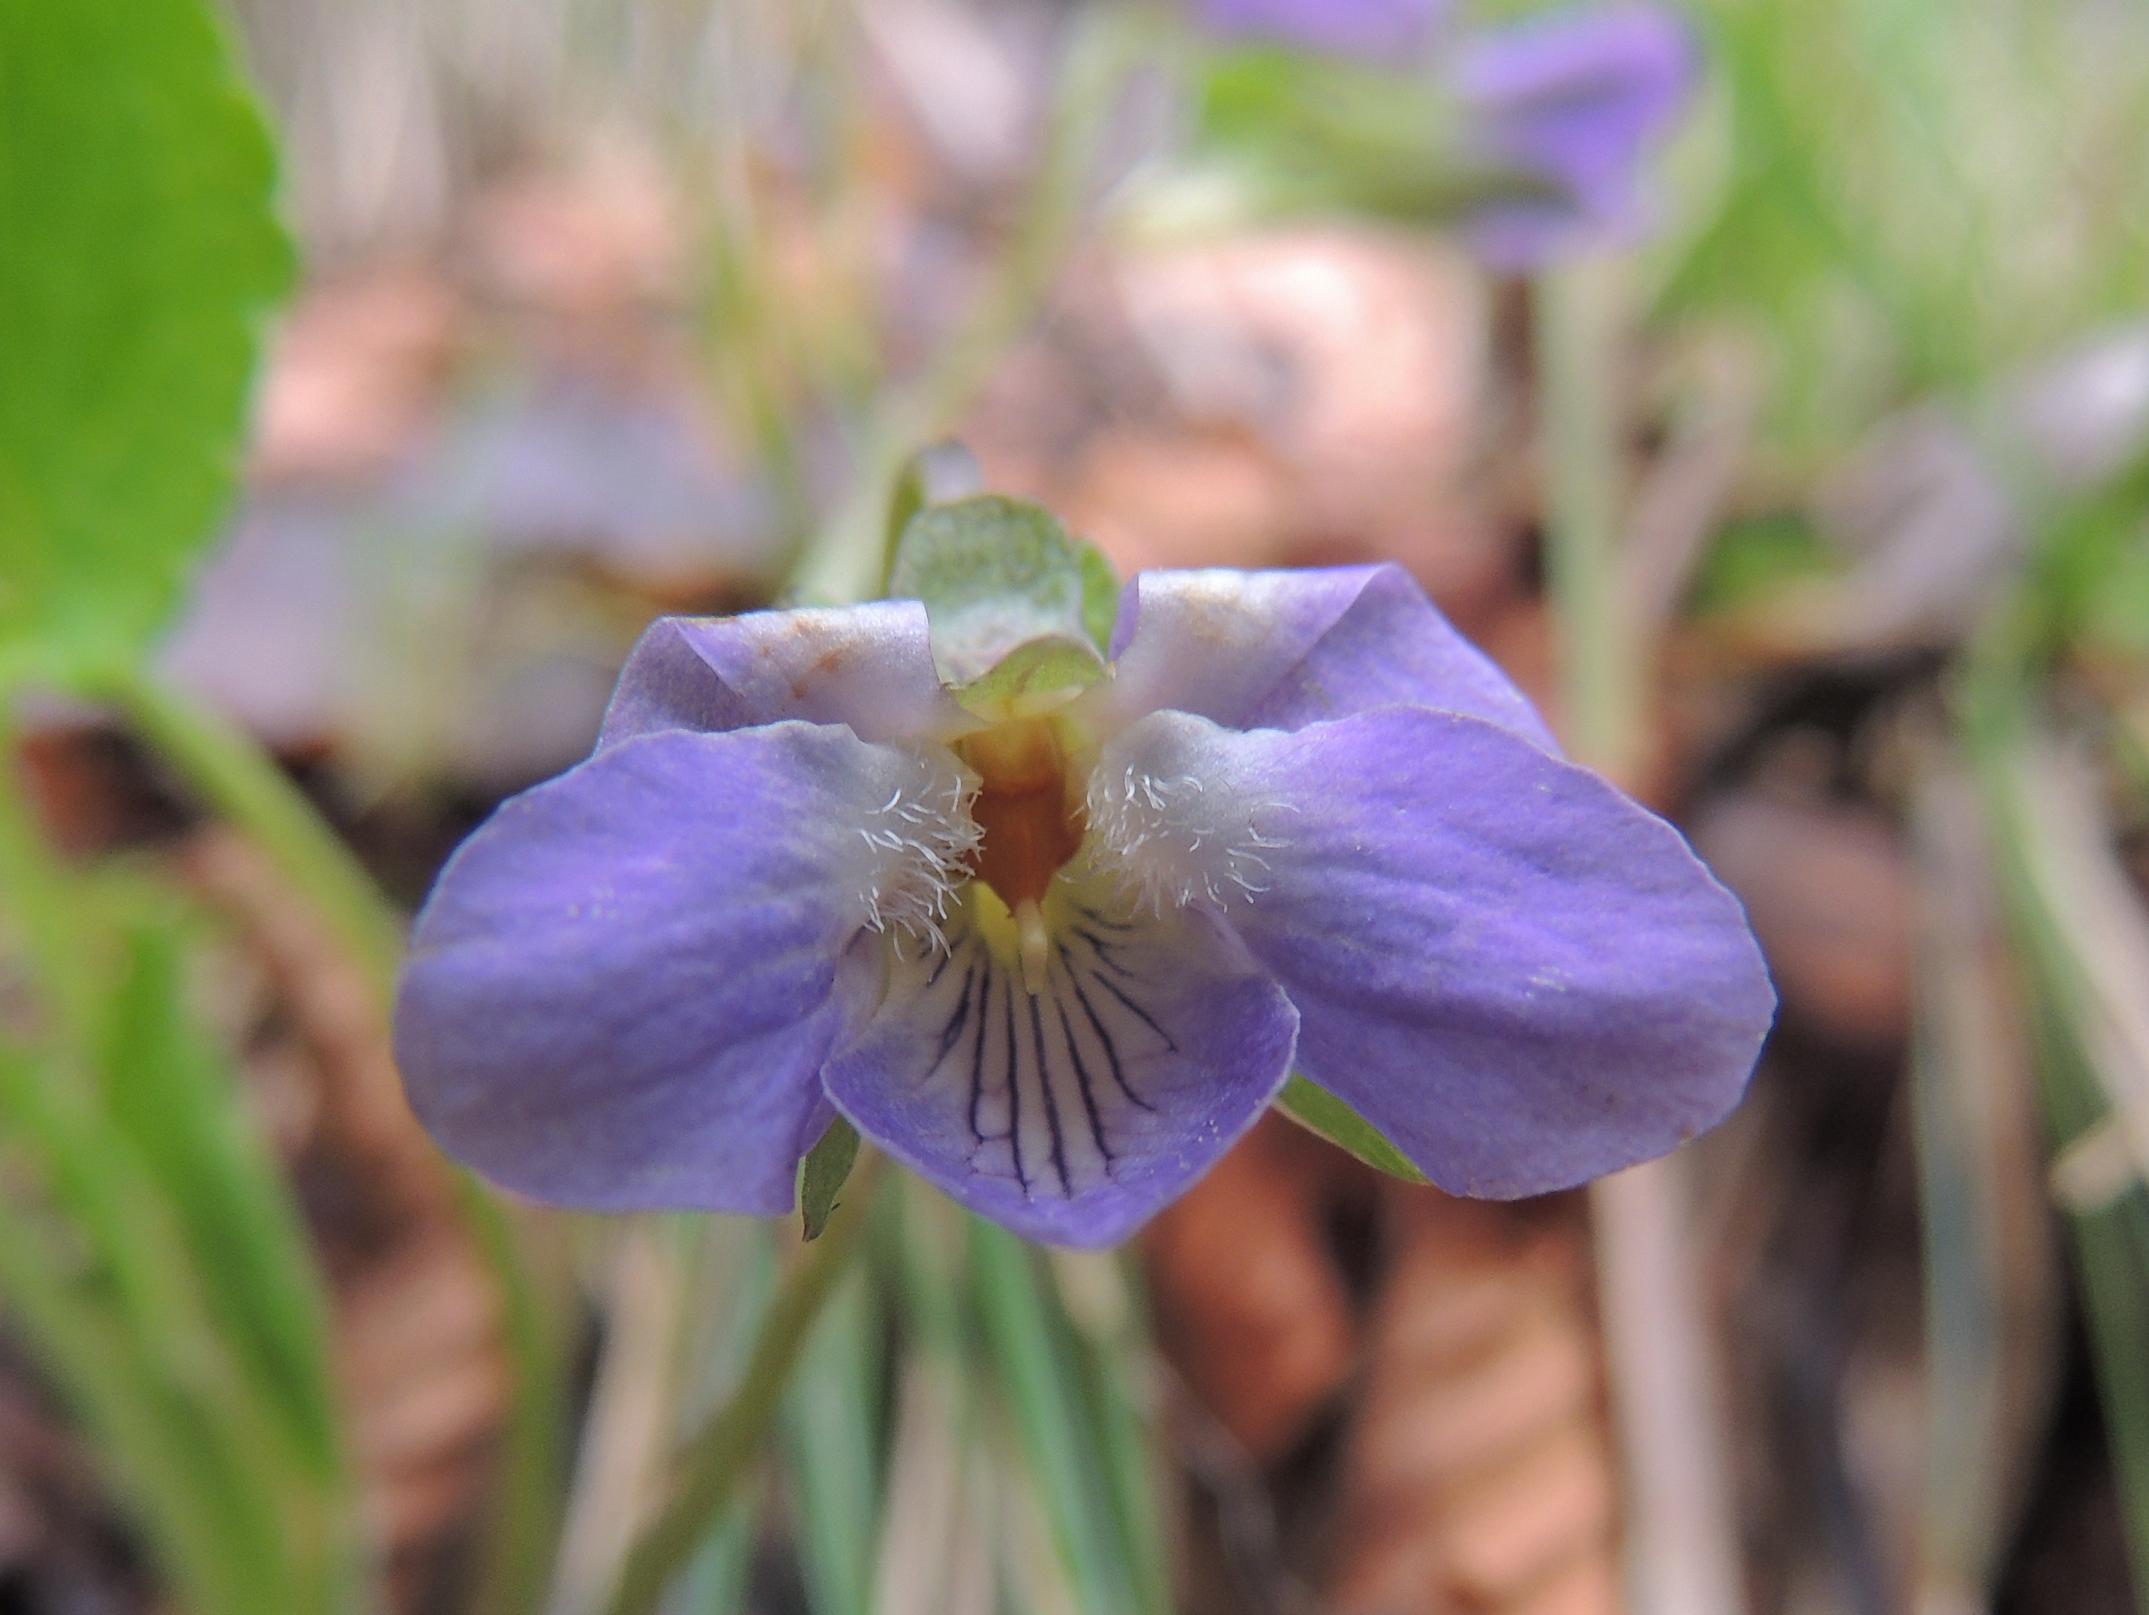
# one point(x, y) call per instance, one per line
point(138, 253)
point(1021, 613)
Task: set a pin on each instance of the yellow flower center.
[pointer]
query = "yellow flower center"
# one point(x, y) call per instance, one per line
point(1030, 813)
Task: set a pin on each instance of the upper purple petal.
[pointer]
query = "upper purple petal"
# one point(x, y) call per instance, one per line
point(1279, 650)
point(869, 666)
point(618, 994)
point(1575, 99)
point(1522, 978)
point(1371, 28)
point(1074, 1114)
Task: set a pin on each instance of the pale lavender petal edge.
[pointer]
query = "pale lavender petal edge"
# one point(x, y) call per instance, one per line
point(868, 667)
point(1282, 649)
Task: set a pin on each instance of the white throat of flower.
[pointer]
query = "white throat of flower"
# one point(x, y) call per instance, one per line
point(920, 845)
point(1162, 826)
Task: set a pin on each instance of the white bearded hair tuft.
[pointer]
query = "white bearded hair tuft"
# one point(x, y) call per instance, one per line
point(1172, 842)
point(922, 842)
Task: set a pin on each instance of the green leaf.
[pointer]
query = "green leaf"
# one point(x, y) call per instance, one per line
point(139, 254)
point(1314, 1107)
point(821, 1175)
point(1010, 596)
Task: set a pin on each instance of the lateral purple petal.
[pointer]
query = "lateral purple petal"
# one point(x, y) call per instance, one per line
point(1575, 99)
point(618, 994)
point(1519, 976)
point(1279, 650)
point(1372, 28)
point(870, 667)
point(1074, 1114)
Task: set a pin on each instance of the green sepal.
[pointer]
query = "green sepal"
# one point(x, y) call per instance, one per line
point(1315, 1108)
point(1019, 610)
point(1100, 595)
point(938, 474)
point(822, 1174)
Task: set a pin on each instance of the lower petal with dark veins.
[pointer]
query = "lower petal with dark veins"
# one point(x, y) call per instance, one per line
point(1072, 1113)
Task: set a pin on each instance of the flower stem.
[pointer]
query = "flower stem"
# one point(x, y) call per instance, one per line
point(848, 559)
point(1601, 670)
point(721, 1453)
point(1681, 1558)
point(37, 898)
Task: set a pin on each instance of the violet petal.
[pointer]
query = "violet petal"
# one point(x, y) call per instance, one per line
point(1574, 99)
point(1522, 978)
point(1074, 1114)
point(1279, 650)
point(618, 994)
point(869, 666)
point(1368, 28)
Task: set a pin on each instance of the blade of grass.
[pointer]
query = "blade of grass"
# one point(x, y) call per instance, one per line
point(1033, 1361)
point(1681, 1544)
point(170, 1093)
point(720, 1454)
point(1991, 1310)
point(830, 1415)
point(2091, 1072)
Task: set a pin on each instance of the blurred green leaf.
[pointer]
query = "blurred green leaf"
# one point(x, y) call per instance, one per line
point(170, 1092)
point(1750, 560)
point(162, 1282)
point(1315, 1108)
point(139, 254)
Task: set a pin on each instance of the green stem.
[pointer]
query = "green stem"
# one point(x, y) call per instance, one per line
point(721, 1453)
point(1600, 661)
point(848, 560)
point(36, 899)
point(244, 784)
point(1680, 1553)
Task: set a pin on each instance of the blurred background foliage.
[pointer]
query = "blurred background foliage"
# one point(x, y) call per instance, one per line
point(1818, 511)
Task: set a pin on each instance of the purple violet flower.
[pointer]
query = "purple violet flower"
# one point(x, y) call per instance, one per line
point(1057, 962)
point(1574, 100)
point(1369, 28)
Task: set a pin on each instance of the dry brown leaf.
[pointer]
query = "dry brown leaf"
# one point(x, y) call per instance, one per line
point(1250, 1305)
point(1479, 1474)
point(1829, 891)
point(355, 374)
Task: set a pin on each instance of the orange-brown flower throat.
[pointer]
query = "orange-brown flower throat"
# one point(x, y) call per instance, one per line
point(1031, 821)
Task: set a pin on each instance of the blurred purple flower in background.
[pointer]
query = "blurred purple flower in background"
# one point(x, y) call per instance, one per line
point(1573, 99)
point(1372, 28)
point(1056, 962)
point(1555, 113)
